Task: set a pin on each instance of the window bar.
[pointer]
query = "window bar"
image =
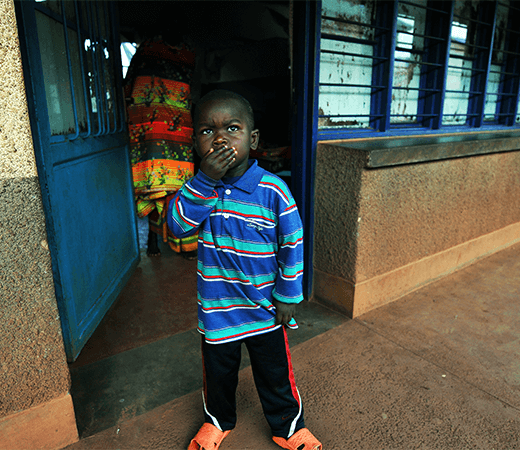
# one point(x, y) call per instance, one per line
point(512, 6)
point(71, 77)
point(484, 38)
point(418, 63)
point(366, 86)
point(408, 88)
point(95, 69)
point(498, 93)
point(353, 22)
point(464, 58)
point(424, 36)
point(424, 63)
point(427, 7)
point(89, 56)
point(408, 50)
point(507, 52)
point(351, 40)
point(470, 92)
point(334, 116)
point(478, 46)
point(110, 72)
point(462, 115)
point(466, 69)
point(359, 55)
point(510, 85)
point(480, 20)
point(102, 58)
point(412, 115)
point(112, 60)
point(82, 65)
point(383, 72)
point(506, 95)
point(100, 72)
point(119, 99)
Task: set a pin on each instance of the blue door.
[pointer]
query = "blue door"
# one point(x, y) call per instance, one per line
point(72, 72)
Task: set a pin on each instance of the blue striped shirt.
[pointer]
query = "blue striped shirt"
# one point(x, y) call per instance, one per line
point(250, 251)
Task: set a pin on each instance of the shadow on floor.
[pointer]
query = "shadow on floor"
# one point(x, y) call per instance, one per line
point(146, 351)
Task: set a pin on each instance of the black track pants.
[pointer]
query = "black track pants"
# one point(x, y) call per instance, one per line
point(273, 375)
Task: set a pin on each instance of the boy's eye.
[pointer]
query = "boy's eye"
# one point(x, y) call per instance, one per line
point(233, 128)
point(205, 131)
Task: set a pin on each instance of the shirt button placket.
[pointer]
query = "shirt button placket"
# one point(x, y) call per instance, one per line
point(226, 215)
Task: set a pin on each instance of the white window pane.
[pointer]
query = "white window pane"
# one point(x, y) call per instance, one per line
point(351, 101)
point(459, 78)
point(56, 74)
point(411, 20)
point(347, 100)
point(493, 85)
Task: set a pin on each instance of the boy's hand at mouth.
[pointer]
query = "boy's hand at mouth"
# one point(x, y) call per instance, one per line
point(216, 163)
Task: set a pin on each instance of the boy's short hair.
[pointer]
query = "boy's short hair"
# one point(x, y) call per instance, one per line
point(223, 94)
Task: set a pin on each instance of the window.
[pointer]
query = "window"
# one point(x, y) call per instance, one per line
point(413, 67)
point(79, 68)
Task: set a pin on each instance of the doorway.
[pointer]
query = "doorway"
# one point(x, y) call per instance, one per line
point(241, 46)
point(146, 350)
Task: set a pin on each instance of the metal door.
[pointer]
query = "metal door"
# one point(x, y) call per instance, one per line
point(72, 71)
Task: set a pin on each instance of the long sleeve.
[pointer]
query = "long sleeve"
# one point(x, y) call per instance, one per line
point(288, 286)
point(192, 204)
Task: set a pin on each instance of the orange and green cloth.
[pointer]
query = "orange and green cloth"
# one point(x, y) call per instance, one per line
point(160, 129)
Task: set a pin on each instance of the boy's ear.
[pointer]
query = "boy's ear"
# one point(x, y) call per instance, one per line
point(255, 139)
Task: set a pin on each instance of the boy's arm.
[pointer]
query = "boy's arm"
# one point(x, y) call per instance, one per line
point(288, 291)
point(192, 204)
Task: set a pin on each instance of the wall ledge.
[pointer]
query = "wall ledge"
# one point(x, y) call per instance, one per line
point(393, 151)
point(359, 298)
point(51, 425)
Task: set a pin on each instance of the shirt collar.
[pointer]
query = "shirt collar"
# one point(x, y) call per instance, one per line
point(251, 177)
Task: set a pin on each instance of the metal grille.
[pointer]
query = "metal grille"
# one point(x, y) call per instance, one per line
point(409, 67)
point(80, 63)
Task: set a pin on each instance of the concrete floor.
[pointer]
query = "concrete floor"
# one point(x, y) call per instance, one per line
point(146, 351)
point(437, 369)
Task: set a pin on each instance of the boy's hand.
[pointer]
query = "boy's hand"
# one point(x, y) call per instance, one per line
point(284, 312)
point(215, 163)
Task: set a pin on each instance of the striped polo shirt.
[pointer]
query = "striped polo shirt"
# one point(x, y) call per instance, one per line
point(250, 251)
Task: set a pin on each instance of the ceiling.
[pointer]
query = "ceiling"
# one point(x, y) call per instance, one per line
point(211, 24)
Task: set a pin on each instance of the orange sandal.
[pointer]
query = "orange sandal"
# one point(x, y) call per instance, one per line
point(208, 437)
point(301, 440)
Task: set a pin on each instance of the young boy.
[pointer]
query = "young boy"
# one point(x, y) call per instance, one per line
point(249, 272)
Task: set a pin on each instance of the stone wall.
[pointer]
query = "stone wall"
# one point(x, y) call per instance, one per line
point(34, 374)
point(382, 232)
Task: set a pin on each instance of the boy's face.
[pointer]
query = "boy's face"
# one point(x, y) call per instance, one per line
point(223, 124)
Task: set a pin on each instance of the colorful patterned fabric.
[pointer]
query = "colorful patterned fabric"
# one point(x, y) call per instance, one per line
point(250, 251)
point(159, 121)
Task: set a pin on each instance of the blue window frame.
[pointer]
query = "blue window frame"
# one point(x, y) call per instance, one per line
point(390, 68)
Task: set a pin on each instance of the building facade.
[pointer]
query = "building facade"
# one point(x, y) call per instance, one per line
point(405, 166)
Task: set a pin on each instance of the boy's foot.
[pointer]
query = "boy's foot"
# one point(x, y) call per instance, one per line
point(301, 440)
point(208, 437)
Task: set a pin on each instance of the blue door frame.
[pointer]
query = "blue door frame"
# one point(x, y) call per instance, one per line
point(307, 22)
point(110, 267)
point(85, 177)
